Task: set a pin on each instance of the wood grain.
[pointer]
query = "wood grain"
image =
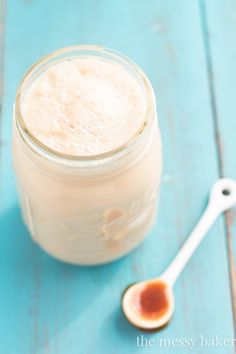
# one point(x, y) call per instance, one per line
point(50, 307)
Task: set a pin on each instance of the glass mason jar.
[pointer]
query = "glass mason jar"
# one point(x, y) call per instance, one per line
point(88, 209)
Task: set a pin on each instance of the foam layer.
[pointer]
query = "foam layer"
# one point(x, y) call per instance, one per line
point(84, 106)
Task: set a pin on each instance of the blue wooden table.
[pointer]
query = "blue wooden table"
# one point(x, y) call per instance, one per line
point(188, 49)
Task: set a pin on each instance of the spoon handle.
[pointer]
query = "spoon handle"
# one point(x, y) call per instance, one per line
point(222, 197)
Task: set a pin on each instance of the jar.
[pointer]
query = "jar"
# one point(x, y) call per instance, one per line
point(88, 209)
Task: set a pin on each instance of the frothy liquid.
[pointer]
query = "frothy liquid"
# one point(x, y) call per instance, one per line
point(84, 106)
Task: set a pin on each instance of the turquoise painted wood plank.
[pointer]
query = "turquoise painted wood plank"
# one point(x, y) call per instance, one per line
point(221, 21)
point(50, 307)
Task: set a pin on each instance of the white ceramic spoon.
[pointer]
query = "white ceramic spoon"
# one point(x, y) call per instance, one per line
point(222, 197)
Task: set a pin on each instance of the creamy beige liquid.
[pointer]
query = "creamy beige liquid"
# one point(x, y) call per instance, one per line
point(87, 106)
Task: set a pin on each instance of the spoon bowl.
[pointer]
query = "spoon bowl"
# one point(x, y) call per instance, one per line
point(149, 305)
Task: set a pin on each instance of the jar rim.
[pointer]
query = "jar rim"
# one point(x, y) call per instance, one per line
point(42, 149)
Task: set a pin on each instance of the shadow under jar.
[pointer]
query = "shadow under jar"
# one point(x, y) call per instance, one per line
point(88, 209)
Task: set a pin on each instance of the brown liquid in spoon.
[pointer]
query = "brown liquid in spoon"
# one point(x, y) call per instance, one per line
point(152, 301)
